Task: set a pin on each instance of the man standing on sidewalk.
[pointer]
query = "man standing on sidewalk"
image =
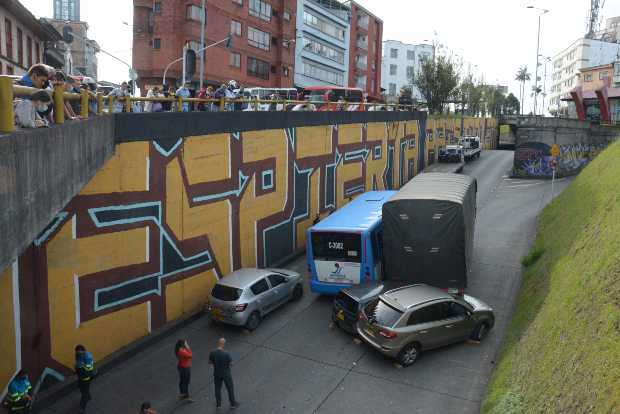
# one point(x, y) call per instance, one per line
point(221, 362)
point(85, 369)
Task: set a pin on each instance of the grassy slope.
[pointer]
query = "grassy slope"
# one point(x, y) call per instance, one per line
point(562, 350)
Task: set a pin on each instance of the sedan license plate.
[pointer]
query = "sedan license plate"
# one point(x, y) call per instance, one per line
point(340, 315)
point(371, 330)
point(217, 314)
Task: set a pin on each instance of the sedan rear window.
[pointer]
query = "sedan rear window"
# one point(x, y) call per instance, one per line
point(381, 313)
point(227, 293)
point(347, 302)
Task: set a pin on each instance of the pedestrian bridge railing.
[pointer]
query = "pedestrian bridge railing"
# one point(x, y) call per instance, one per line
point(106, 104)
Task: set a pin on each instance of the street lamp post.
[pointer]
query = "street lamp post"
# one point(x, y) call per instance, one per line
point(546, 59)
point(542, 11)
point(203, 17)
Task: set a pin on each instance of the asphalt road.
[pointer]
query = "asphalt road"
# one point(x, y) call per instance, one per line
point(296, 363)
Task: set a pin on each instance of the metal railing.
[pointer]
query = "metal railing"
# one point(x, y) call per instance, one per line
point(9, 91)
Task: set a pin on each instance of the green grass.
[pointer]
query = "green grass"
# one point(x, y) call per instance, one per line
point(562, 350)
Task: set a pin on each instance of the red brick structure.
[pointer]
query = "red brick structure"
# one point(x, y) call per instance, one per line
point(365, 50)
point(261, 54)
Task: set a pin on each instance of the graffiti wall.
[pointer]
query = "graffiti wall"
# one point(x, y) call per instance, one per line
point(533, 159)
point(145, 240)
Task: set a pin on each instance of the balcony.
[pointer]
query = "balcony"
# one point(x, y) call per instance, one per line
point(362, 44)
point(361, 65)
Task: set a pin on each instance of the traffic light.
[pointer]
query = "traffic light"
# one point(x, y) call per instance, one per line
point(190, 63)
point(229, 41)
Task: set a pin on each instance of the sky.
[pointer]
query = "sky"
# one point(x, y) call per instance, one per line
point(495, 36)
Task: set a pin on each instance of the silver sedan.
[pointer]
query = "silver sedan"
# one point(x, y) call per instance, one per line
point(245, 296)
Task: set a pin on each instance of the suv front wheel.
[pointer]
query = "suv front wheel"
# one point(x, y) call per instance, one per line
point(408, 355)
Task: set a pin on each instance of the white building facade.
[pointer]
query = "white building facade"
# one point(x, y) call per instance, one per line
point(322, 45)
point(583, 53)
point(400, 64)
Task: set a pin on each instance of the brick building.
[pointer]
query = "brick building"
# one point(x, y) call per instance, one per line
point(365, 50)
point(261, 54)
point(22, 39)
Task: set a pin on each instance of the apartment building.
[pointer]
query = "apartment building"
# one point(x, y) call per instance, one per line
point(322, 44)
point(262, 51)
point(22, 38)
point(365, 50)
point(567, 64)
point(401, 63)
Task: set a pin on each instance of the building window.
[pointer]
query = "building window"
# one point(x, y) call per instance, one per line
point(324, 26)
point(235, 27)
point(285, 71)
point(587, 78)
point(193, 12)
point(9, 39)
point(394, 53)
point(157, 7)
point(258, 38)
point(363, 20)
point(239, 2)
point(156, 43)
point(603, 75)
point(10, 70)
point(410, 55)
point(260, 9)
point(258, 68)
point(286, 15)
point(267, 180)
point(377, 153)
point(410, 72)
point(323, 74)
point(235, 60)
point(360, 82)
point(29, 50)
point(393, 69)
point(392, 89)
point(324, 50)
point(20, 47)
point(361, 61)
point(37, 58)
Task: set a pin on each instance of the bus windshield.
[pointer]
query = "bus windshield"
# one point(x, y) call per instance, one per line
point(332, 246)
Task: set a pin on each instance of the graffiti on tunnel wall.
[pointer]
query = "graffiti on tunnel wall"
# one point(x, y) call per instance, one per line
point(534, 158)
point(145, 240)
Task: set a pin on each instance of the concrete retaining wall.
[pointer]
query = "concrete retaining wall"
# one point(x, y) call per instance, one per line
point(579, 142)
point(41, 170)
point(143, 242)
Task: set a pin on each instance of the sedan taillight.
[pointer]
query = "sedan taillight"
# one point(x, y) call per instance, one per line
point(240, 307)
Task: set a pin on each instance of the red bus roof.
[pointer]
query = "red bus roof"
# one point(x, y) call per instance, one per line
point(340, 88)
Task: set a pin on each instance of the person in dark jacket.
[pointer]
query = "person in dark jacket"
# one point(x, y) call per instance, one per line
point(221, 362)
point(184, 356)
point(85, 370)
point(19, 394)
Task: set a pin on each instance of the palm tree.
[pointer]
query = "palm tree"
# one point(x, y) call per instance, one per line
point(522, 76)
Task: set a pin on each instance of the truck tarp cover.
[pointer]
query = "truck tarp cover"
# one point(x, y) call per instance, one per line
point(428, 230)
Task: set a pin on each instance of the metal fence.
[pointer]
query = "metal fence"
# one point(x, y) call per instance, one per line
point(105, 104)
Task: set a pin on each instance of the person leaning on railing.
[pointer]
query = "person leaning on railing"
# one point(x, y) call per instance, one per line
point(27, 111)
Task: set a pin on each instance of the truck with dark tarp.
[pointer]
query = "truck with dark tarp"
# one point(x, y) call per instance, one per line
point(428, 231)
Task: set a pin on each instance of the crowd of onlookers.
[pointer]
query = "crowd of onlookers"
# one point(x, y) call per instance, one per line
point(36, 110)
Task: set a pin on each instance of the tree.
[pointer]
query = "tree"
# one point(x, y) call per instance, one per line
point(406, 92)
point(437, 81)
point(495, 101)
point(511, 105)
point(522, 76)
point(472, 95)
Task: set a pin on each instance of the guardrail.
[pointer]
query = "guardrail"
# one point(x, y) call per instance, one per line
point(9, 91)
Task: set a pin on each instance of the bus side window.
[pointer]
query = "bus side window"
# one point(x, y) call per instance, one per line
point(377, 245)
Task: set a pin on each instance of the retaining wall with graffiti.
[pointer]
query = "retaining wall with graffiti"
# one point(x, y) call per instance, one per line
point(578, 141)
point(145, 240)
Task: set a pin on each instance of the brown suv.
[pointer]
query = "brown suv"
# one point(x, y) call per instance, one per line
point(404, 321)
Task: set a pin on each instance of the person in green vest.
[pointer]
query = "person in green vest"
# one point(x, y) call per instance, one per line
point(19, 395)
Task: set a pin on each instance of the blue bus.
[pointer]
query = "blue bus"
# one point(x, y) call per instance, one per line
point(344, 249)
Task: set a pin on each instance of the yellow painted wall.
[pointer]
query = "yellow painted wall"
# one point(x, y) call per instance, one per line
point(77, 250)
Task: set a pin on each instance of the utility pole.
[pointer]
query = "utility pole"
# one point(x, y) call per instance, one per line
point(203, 18)
point(543, 11)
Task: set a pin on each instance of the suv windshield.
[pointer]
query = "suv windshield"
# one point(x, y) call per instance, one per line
point(226, 293)
point(381, 313)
